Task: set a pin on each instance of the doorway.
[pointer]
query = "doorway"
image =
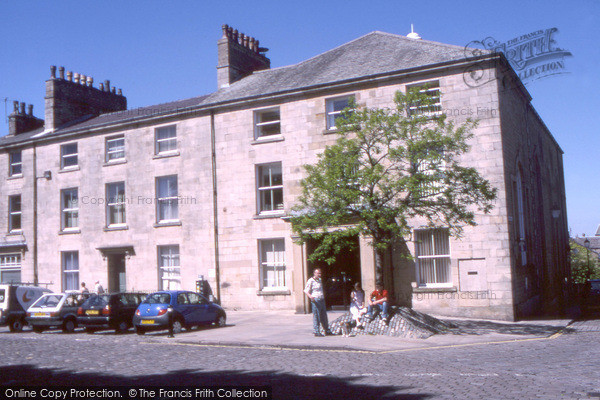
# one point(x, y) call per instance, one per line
point(338, 278)
point(116, 273)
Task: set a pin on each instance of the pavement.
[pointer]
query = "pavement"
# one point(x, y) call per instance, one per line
point(286, 329)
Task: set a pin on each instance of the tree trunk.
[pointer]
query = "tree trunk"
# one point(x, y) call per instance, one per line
point(378, 264)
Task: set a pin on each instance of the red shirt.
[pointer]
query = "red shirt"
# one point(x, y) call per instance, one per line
point(378, 295)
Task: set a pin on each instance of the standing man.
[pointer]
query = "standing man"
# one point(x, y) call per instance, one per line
point(314, 291)
point(98, 288)
point(84, 289)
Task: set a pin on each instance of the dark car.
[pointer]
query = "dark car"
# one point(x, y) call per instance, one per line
point(187, 309)
point(55, 310)
point(109, 311)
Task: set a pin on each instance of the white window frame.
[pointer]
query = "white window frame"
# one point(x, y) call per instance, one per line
point(13, 213)
point(66, 210)
point(10, 263)
point(169, 267)
point(64, 156)
point(117, 203)
point(170, 141)
point(331, 114)
point(73, 257)
point(114, 150)
point(169, 200)
point(436, 258)
point(269, 190)
point(15, 168)
point(260, 126)
point(430, 88)
point(273, 266)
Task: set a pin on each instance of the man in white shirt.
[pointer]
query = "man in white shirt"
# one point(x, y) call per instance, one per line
point(314, 291)
point(98, 288)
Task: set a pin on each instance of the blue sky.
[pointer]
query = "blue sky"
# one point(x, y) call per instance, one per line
point(159, 51)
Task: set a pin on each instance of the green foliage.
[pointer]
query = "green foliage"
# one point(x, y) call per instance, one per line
point(579, 263)
point(388, 166)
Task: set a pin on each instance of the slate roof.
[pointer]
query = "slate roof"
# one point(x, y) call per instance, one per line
point(376, 53)
point(594, 243)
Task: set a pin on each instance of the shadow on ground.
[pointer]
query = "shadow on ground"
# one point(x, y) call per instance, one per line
point(471, 327)
point(284, 386)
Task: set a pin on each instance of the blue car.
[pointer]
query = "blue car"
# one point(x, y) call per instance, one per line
point(187, 309)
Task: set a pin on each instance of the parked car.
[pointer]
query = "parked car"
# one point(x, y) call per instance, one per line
point(56, 310)
point(14, 302)
point(109, 311)
point(187, 309)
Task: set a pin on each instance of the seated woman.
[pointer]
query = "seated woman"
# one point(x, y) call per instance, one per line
point(357, 304)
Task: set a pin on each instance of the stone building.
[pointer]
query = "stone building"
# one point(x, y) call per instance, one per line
point(154, 197)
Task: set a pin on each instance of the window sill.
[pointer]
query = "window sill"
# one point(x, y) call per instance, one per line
point(281, 292)
point(68, 169)
point(268, 139)
point(425, 289)
point(167, 223)
point(330, 131)
point(13, 177)
point(15, 232)
point(111, 228)
point(69, 231)
point(270, 215)
point(168, 154)
point(116, 162)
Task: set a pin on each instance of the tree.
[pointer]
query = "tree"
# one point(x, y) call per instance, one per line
point(388, 166)
point(584, 263)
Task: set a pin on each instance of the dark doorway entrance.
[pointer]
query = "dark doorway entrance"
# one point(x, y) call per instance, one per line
point(116, 273)
point(339, 277)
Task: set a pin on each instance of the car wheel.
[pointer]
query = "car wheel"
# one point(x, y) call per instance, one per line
point(122, 327)
point(69, 326)
point(221, 321)
point(177, 326)
point(38, 329)
point(139, 331)
point(16, 325)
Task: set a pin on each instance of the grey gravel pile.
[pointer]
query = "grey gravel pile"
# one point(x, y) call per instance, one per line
point(405, 322)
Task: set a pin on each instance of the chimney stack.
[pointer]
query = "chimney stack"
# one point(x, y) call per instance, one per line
point(239, 56)
point(20, 121)
point(70, 99)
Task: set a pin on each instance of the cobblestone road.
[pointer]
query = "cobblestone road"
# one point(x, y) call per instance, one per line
point(565, 366)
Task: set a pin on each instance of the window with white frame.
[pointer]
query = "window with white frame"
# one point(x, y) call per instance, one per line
point(115, 148)
point(115, 203)
point(270, 188)
point(69, 208)
point(267, 122)
point(10, 268)
point(272, 263)
point(431, 107)
point(15, 164)
point(167, 195)
point(165, 139)
point(169, 269)
point(14, 213)
point(68, 156)
point(432, 169)
point(70, 270)
point(334, 108)
point(432, 248)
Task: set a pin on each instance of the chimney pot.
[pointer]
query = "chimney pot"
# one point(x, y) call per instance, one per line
point(235, 35)
point(101, 86)
point(241, 39)
point(52, 71)
point(120, 92)
point(61, 72)
point(16, 107)
point(90, 81)
point(107, 85)
point(70, 76)
point(22, 108)
point(30, 110)
point(225, 28)
point(76, 77)
point(83, 80)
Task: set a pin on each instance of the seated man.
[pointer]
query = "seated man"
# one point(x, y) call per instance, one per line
point(378, 302)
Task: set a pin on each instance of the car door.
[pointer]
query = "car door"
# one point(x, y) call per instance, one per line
point(198, 308)
point(183, 307)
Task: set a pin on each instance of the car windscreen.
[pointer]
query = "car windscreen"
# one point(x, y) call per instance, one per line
point(48, 301)
point(158, 298)
point(100, 300)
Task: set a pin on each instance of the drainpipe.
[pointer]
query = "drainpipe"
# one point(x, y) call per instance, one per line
point(35, 230)
point(215, 206)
